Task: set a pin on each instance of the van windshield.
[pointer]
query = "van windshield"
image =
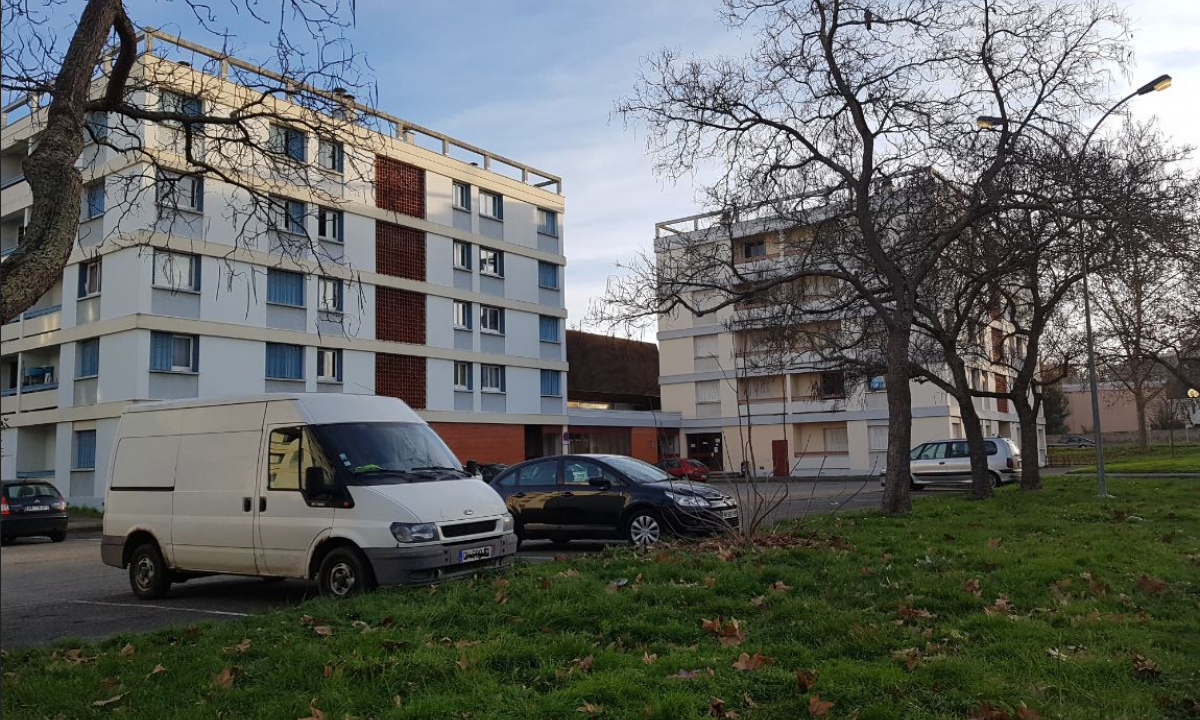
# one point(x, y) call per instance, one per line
point(388, 453)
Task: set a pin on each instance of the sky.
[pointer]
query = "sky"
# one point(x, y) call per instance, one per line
point(536, 80)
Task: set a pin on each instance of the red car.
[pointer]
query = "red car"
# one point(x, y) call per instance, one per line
point(693, 470)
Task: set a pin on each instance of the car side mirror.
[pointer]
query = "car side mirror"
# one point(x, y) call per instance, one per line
point(472, 467)
point(317, 482)
point(600, 482)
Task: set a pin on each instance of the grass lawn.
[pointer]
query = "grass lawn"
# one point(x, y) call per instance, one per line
point(1127, 458)
point(1073, 606)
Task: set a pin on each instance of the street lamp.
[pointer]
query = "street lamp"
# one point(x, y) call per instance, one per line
point(988, 122)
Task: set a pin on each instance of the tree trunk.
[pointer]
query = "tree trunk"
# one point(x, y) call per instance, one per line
point(54, 182)
point(896, 497)
point(981, 477)
point(1031, 455)
point(1139, 405)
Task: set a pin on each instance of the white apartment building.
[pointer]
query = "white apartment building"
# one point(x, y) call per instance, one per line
point(798, 418)
point(437, 278)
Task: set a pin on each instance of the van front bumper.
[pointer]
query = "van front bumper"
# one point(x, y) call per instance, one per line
point(433, 563)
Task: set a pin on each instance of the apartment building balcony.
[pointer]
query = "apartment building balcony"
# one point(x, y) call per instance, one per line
point(45, 316)
point(36, 450)
point(29, 380)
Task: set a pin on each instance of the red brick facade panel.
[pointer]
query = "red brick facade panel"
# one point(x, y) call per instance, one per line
point(399, 187)
point(399, 251)
point(399, 315)
point(401, 376)
point(484, 442)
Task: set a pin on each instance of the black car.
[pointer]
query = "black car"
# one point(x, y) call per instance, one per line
point(575, 497)
point(32, 507)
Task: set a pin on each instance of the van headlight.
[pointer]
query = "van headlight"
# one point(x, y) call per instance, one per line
point(688, 501)
point(414, 532)
point(506, 522)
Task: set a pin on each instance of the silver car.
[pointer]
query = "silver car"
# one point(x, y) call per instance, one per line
point(947, 462)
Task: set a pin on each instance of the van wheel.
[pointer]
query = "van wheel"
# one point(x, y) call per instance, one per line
point(643, 528)
point(995, 478)
point(149, 577)
point(344, 573)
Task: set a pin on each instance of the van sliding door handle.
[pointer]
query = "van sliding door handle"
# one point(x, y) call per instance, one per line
point(262, 503)
point(245, 504)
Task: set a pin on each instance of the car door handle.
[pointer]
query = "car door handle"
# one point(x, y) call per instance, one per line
point(942, 462)
point(568, 494)
point(518, 494)
point(262, 503)
point(245, 504)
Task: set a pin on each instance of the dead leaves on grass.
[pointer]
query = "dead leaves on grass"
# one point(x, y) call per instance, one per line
point(589, 709)
point(746, 661)
point(313, 712)
point(717, 709)
point(806, 679)
point(1150, 585)
point(972, 586)
point(240, 648)
point(1144, 667)
point(818, 707)
point(224, 679)
point(727, 633)
point(110, 701)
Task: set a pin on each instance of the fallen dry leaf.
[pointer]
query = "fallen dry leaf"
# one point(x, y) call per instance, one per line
point(307, 620)
point(127, 650)
point(323, 630)
point(157, 669)
point(501, 598)
point(972, 586)
point(584, 664)
point(910, 656)
point(361, 626)
point(1150, 585)
point(908, 613)
point(780, 585)
point(1057, 654)
point(994, 542)
point(759, 601)
point(716, 708)
point(501, 583)
point(729, 633)
point(710, 582)
point(985, 711)
point(241, 647)
point(726, 554)
point(649, 658)
point(546, 583)
point(747, 661)
point(572, 572)
point(461, 662)
point(1024, 712)
point(225, 678)
point(689, 674)
point(806, 679)
point(590, 709)
point(818, 707)
point(314, 713)
point(1144, 667)
point(397, 700)
point(110, 701)
point(76, 656)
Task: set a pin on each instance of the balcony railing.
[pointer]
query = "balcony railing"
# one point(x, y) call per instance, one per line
point(30, 314)
point(12, 181)
point(31, 474)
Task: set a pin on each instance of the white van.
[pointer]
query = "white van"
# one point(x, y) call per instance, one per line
point(350, 490)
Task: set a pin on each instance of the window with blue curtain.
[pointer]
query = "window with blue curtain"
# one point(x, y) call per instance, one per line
point(285, 362)
point(95, 200)
point(88, 358)
point(174, 353)
point(551, 386)
point(285, 288)
point(548, 328)
point(295, 217)
point(288, 141)
point(85, 450)
point(547, 275)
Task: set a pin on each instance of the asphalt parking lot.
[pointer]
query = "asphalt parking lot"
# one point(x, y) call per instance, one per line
point(51, 591)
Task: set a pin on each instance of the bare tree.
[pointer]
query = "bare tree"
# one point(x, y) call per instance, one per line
point(833, 108)
point(211, 116)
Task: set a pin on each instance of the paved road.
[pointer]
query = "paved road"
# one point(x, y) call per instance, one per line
point(50, 591)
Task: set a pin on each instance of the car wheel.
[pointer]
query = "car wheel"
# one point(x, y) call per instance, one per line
point(149, 576)
point(996, 481)
point(344, 573)
point(272, 580)
point(643, 528)
point(914, 485)
point(58, 536)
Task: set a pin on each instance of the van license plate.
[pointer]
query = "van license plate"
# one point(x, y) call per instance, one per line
point(479, 553)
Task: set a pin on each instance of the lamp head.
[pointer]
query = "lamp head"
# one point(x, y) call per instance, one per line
point(989, 122)
point(1158, 84)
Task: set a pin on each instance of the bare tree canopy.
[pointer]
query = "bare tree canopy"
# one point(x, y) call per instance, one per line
point(90, 93)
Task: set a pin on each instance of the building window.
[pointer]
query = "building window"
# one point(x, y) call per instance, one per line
point(461, 196)
point(491, 319)
point(330, 225)
point(462, 315)
point(87, 358)
point(462, 376)
point(491, 378)
point(89, 278)
point(462, 255)
point(95, 126)
point(180, 192)
point(174, 353)
point(85, 450)
point(491, 262)
point(877, 383)
point(705, 346)
point(176, 271)
point(833, 385)
point(187, 105)
point(752, 249)
point(547, 222)
point(551, 383)
point(288, 141)
point(836, 440)
point(708, 391)
point(329, 295)
point(287, 215)
point(330, 155)
point(491, 205)
point(285, 362)
point(877, 437)
point(547, 328)
point(547, 275)
point(285, 288)
point(329, 365)
point(94, 197)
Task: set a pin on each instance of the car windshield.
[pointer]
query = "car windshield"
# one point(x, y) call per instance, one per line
point(30, 490)
point(638, 471)
point(388, 453)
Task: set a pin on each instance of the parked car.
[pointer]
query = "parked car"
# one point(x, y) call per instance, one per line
point(693, 470)
point(948, 462)
point(1073, 441)
point(348, 490)
point(31, 508)
point(487, 471)
point(574, 497)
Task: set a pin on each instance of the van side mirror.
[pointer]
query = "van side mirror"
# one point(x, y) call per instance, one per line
point(317, 482)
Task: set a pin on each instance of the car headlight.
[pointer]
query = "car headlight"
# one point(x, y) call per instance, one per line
point(691, 501)
point(414, 532)
point(507, 522)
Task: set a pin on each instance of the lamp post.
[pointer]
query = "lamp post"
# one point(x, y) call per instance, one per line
point(1158, 84)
